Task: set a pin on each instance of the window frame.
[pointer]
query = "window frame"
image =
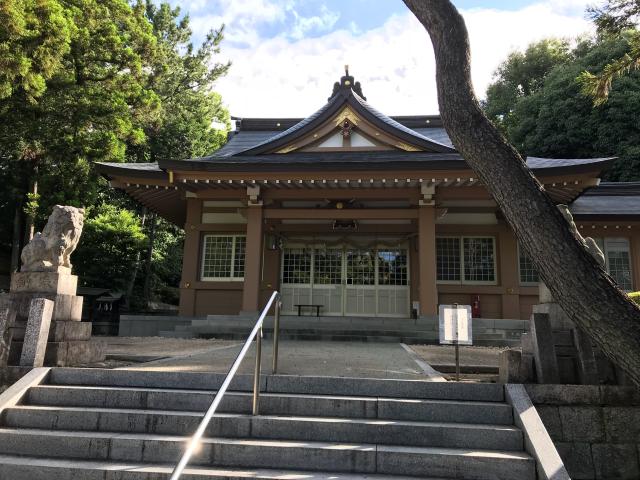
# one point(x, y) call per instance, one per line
point(604, 243)
point(232, 258)
point(463, 280)
point(520, 281)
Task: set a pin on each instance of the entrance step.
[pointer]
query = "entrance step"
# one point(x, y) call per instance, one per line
point(481, 413)
point(269, 453)
point(36, 468)
point(490, 332)
point(303, 428)
point(129, 424)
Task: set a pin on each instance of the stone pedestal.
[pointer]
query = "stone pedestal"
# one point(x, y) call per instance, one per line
point(561, 351)
point(69, 339)
point(36, 333)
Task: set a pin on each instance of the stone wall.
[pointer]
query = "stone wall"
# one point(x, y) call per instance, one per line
point(596, 429)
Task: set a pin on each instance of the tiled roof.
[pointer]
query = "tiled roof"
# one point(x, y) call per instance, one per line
point(609, 199)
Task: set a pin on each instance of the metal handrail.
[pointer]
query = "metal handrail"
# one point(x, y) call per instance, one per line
point(197, 436)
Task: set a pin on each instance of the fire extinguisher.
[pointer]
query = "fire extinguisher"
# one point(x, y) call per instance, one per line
point(475, 306)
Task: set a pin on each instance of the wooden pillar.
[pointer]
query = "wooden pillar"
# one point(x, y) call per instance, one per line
point(427, 254)
point(253, 260)
point(191, 258)
point(509, 273)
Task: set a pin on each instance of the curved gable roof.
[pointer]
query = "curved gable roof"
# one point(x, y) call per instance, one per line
point(347, 96)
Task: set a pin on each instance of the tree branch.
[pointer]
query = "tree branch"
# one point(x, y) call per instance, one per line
point(584, 290)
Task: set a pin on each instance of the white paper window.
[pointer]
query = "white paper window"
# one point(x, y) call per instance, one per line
point(223, 257)
point(468, 260)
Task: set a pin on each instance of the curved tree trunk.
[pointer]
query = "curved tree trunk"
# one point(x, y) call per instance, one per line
point(582, 288)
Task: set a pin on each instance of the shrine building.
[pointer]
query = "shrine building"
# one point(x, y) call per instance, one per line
point(361, 214)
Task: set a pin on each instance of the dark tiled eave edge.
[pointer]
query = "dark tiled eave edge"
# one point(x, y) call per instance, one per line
point(339, 101)
point(380, 161)
point(132, 170)
point(607, 217)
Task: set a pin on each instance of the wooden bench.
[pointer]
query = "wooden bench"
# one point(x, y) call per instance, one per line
point(310, 306)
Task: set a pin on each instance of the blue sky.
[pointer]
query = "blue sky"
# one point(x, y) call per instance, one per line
point(286, 54)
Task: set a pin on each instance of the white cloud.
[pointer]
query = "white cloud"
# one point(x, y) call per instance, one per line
point(323, 22)
point(291, 76)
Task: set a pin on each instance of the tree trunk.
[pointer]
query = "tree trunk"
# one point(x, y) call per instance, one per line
point(582, 288)
point(136, 265)
point(16, 235)
point(29, 226)
point(147, 267)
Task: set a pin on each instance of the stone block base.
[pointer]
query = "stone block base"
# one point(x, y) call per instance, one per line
point(59, 331)
point(559, 320)
point(66, 308)
point(44, 282)
point(67, 353)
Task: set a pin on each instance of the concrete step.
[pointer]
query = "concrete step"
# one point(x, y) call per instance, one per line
point(316, 429)
point(291, 384)
point(274, 404)
point(318, 456)
point(327, 337)
point(37, 468)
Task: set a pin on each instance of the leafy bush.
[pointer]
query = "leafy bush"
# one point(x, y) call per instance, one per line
point(108, 250)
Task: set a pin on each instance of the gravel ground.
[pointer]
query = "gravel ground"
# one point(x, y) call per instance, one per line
point(159, 346)
point(436, 355)
point(445, 355)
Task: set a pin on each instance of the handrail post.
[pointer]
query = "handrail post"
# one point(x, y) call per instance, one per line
point(256, 374)
point(276, 334)
point(256, 333)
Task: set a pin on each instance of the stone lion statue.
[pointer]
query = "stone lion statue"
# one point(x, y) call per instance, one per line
point(589, 243)
point(50, 250)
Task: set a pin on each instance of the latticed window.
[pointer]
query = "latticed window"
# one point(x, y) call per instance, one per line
point(361, 267)
point(479, 262)
point(296, 265)
point(392, 267)
point(448, 259)
point(327, 267)
point(465, 259)
point(618, 261)
point(223, 257)
point(528, 272)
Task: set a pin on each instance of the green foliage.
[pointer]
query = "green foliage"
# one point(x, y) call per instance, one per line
point(166, 263)
point(34, 37)
point(84, 81)
point(523, 74)
point(613, 19)
point(635, 296)
point(557, 121)
point(96, 102)
point(183, 78)
point(111, 240)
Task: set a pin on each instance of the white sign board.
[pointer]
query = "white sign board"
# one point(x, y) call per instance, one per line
point(455, 324)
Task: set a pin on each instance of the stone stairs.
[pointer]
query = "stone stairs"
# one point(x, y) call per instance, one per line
point(491, 332)
point(133, 425)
